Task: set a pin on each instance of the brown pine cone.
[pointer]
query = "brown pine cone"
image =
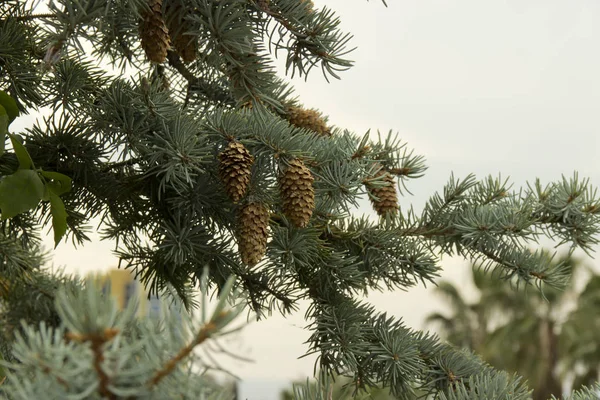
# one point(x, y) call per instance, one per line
point(185, 45)
point(253, 224)
point(154, 32)
point(235, 169)
point(308, 119)
point(383, 198)
point(297, 193)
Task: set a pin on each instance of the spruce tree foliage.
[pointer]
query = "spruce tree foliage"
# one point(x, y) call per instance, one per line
point(139, 125)
point(110, 354)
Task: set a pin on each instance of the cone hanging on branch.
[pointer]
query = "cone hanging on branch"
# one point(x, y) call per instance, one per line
point(253, 224)
point(297, 193)
point(308, 119)
point(235, 168)
point(154, 32)
point(384, 198)
point(185, 45)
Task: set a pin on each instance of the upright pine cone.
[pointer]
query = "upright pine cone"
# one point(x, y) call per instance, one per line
point(154, 32)
point(297, 193)
point(253, 223)
point(234, 169)
point(384, 198)
point(308, 119)
point(186, 45)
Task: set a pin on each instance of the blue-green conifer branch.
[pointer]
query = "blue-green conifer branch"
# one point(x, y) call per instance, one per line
point(143, 150)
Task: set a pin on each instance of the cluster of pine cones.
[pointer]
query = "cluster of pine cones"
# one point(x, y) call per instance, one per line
point(158, 33)
point(296, 192)
point(163, 28)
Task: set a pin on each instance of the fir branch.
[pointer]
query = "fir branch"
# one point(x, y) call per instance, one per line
point(35, 16)
point(253, 282)
point(49, 370)
point(205, 333)
point(315, 35)
point(120, 164)
point(168, 191)
point(97, 341)
point(212, 92)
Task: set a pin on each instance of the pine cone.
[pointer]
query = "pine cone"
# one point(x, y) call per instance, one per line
point(154, 32)
point(186, 45)
point(234, 169)
point(384, 198)
point(308, 119)
point(297, 193)
point(253, 233)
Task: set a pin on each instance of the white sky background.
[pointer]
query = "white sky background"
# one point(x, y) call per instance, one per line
point(488, 87)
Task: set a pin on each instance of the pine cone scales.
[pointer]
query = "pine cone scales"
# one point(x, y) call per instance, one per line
point(253, 233)
point(186, 45)
point(235, 169)
point(154, 32)
point(308, 119)
point(384, 198)
point(297, 193)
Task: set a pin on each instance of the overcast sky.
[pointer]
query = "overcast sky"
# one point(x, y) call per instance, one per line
point(502, 86)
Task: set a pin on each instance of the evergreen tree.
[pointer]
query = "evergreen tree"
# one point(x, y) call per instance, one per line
point(168, 123)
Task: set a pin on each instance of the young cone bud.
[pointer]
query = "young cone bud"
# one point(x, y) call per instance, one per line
point(186, 45)
point(253, 226)
point(308, 119)
point(235, 168)
point(154, 33)
point(297, 193)
point(384, 198)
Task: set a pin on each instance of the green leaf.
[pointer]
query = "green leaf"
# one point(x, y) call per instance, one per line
point(25, 161)
point(58, 183)
point(59, 217)
point(10, 105)
point(20, 192)
point(3, 128)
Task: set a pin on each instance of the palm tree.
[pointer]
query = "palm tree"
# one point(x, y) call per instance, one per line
point(463, 328)
point(526, 332)
point(579, 340)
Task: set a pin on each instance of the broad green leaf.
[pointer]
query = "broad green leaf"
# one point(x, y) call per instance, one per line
point(3, 128)
point(20, 192)
point(25, 161)
point(57, 182)
point(10, 105)
point(59, 217)
point(46, 196)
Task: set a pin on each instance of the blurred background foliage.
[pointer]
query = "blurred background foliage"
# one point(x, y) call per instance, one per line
point(549, 338)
